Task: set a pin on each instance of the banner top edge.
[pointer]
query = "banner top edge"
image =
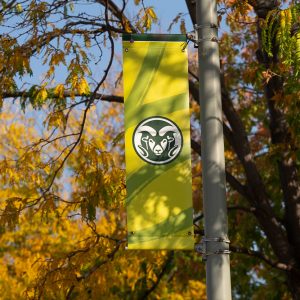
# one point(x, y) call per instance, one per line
point(154, 37)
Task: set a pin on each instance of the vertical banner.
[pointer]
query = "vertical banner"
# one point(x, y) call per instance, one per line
point(157, 142)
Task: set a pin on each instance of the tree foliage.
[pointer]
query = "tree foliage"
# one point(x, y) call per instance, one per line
point(62, 178)
point(283, 27)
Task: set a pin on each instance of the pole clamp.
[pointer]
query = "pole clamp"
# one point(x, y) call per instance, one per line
point(210, 25)
point(202, 246)
point(194, 37)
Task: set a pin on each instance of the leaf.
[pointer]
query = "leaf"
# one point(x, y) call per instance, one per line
point(91, 211)
point(118, 138)
point(174, 21)
point(83, 87)
point(19, 8)
point(127, 26)
point(59, 91)
point(182, 26)
point(87, 41)
point(41, 96)
point(152, 13)
point(56, 119)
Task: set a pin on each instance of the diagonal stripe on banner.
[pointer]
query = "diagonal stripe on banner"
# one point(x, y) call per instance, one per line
point(174, 224)
point(145, 76)
point(144, 176)
point(168, 105)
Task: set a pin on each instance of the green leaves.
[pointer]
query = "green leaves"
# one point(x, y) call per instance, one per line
point(281, 32)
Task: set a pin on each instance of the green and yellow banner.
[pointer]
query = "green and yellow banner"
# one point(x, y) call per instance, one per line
point(157, 142)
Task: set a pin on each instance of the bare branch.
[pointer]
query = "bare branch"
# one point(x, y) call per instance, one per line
point(261, 256)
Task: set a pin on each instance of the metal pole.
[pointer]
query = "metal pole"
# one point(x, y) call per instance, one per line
point(218, 284)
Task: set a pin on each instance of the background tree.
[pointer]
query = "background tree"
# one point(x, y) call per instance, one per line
point(62, 166)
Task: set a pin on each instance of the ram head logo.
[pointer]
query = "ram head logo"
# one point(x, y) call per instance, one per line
point(157, 140)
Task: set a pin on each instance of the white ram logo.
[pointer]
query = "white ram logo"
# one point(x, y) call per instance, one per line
point(157, 144)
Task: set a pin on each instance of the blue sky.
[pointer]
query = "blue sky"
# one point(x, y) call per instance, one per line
point(166, 11)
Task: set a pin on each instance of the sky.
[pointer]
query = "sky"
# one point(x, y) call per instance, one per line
point(166, 11)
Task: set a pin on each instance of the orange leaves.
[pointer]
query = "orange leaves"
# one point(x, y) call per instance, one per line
point(230, 2)
point(268, 74)
point(238, 14)
point(87, 40)
point(229, 155)
point(127, 26)
point(182, 27)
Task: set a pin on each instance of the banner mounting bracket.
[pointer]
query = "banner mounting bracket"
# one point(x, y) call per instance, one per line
point(202, 246)
point(194, 36)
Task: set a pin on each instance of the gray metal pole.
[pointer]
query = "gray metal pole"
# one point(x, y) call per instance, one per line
point(212, 151)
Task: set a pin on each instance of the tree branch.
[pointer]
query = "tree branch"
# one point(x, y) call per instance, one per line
point(261, 256)
point(159, 276)
point(67, 94)
point(118, 13)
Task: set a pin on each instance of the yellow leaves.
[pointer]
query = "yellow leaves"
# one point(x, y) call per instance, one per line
point(59, 91)
point(197, 289)
point(76, 79)
point(41, 95)
point(107, 224)
point(52, 255)
point(19, 8)
point(147, 16)
point(297, 46)
point(83, 87)
point(229, 155)
point(10, 215)
point(127, 26)
point(57, 58)
point(47, 206)
point(151, 13)
point(79, 86)
point(56, 119)
point(285, 18)
point(16, 61)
